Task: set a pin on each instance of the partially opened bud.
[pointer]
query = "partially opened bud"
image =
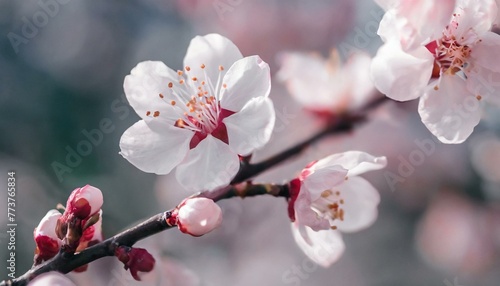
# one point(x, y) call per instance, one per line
point(84, 202)
point(47, 242)
point(198, 216)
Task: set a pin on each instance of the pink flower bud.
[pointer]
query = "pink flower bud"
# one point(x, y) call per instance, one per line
point(198, 216)
point(47, 242)
point(84, 202)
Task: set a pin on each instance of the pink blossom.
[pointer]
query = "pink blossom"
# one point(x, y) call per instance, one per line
point(329, 195)
point(199, 120)
point(444, 58)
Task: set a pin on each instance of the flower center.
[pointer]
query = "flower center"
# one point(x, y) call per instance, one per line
point(196, 105)
point(451, 53)
point(329, 206)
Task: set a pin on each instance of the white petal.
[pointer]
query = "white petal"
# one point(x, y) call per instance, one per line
point(475, 15)
point(487, 52)
point(210, 165)
point(155, 150)
point(399, 75)
point(485, 83)
point(357, 72)
point(356, 162)
point(252, 127)
point(426, 19)
point(323, 247)
point(360, 204)
point(304, 215)
point(323, 178)
point(451, 112)
point(52, 278)
point(246, 79)
point(212, 50)
point(144, 84)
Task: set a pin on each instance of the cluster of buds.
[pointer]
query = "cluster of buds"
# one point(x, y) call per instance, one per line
point(76, 229)
point(196, 216)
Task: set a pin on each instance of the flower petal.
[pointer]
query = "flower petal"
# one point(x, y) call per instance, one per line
point(153, 149)
point(322, 179)
point(252, 127)
point(356, 162)
point(450, 111)
point(246, 79)
point(484, 83)
point(323, 247)
point(474, 15)
point(144, 84)
point(208, 166)
point(360, 207)
point(487, 52)
point(399, 75)
point(304, 215)
point(212, 50)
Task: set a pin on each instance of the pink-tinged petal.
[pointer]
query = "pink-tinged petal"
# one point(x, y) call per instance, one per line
point(360, 204)
point(145, 83)
point(399, 75)
point(212, 51)
point(450, 111)
point(210, 165)
point(478, 16)
point(324, 247)
point(356, 162)
point(486, 52)
point(47, 225)
point(155, 149)
point(52, 278)
point(484, 83)
point(304, 215)
point(322, 179)
point(250, 128)
point(426, 19)
point(247, 78)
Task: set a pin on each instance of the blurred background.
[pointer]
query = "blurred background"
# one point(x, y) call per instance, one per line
point(62, 65)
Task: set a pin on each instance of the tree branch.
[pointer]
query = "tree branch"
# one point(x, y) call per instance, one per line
point(65, 262)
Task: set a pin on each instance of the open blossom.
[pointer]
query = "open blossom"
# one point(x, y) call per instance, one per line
point(198, 216)
point(199, 119)
point(46, 240)
point(325, 85)
point(443, 52)
point(329, 196)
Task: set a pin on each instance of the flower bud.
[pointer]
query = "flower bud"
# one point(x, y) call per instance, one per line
point(135, 259)
point(47, 242)
point(198, 216)
point(84, 202)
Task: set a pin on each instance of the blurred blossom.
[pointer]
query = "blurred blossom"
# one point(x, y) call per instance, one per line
point(485, 155)
point(454, 235)
point(266, 27)
point(444, 62)
point(327, 85)
point(201, 122)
